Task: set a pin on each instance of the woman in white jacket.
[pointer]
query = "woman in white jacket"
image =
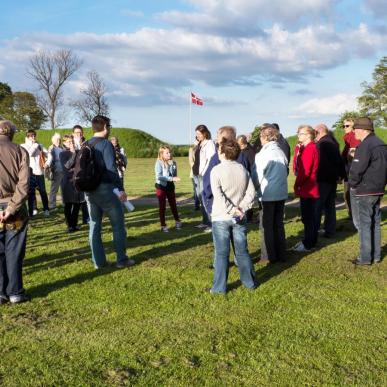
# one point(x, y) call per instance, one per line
point(272, 171)
point(203, 153)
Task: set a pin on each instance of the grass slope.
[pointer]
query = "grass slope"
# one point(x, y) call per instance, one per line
point(315, 320)
point(136, 142)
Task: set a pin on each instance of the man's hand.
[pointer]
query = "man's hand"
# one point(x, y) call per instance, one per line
point(122, 196)
point(4, 215)
point(176, 178)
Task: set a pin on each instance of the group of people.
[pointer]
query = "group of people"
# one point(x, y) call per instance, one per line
point(228, 175)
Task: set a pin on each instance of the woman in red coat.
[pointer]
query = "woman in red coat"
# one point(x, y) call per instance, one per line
point(305, 165)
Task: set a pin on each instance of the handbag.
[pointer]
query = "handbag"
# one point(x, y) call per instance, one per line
point(42, 159)
point(49, 173)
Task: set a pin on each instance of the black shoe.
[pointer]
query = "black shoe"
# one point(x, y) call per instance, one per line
point(19, 299)
point(3, 299)
point(359, 263)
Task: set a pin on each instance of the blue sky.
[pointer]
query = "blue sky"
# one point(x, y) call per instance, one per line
point(285, 61)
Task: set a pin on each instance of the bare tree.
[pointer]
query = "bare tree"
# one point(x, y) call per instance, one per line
point(93, 101)
point(51, 70)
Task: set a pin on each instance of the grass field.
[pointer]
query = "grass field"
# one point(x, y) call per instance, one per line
point(315, 320)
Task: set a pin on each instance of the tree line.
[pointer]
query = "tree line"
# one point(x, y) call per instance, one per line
point(51, 70)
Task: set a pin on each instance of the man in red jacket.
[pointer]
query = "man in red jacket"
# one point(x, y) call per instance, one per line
point(305, 164)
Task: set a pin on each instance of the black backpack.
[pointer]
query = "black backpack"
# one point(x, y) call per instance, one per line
point(87, 174)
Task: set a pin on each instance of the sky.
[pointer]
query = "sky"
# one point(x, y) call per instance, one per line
point(252, 61)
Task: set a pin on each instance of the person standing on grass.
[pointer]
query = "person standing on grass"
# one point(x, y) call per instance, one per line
point(14, 174)
point(79, 139)
point(330, 172)
point(203, 153)
point(191, 161)
point(121, 160)
point(350, 145)
point(305, 165)
point(37, 155)
point(367, 181)
point(271, 166)
point(103, 201)
point(234, 194)
point(54, 163)
point(72, 199)
point(166, 176)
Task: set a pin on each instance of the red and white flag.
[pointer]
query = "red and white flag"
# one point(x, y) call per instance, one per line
point(196, 100)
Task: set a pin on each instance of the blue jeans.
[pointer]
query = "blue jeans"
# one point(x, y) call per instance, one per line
point(198, 180)
point(12, 252)
point(354, 209)
point(99, 202)
point(369, 227)
point(221, 233)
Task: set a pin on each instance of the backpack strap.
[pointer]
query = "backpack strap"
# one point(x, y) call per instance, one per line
point(91, 143)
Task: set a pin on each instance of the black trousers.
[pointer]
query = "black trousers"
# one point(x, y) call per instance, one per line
point(272, 230)
point(71, 211)
point(37, 182)
point(12, 252)
point(327, 204)
point(308, 208)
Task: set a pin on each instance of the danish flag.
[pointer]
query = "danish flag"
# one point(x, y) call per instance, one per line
point(196, 100)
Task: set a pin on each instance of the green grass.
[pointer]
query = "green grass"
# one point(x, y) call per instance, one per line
point(315, 320)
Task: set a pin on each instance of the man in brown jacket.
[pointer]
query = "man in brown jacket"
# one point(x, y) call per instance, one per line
point(14, 175)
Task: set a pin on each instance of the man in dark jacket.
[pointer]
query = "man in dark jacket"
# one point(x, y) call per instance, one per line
point(282, 142)
point(367, 180)
point(330, 171)
point(14, 175)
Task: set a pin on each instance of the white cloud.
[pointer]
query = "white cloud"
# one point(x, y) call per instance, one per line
point(327, 106)
point(243, 17)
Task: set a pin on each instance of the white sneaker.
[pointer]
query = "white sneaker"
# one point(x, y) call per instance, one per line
point(207, 230)
point(179, 225)
point(201, 225)
point(300, 248)
point(34, 212)
point(46, 213)
point(164, 229)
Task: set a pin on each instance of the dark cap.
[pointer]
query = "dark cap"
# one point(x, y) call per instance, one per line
point(364, 123)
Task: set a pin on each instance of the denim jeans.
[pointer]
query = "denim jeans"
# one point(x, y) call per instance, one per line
point(221, 233)
point(12, 252)
point(327, 204)
point(55, 184)
point(104, 201)
point(309, 219)
point(354, 209)
point(272, 231)
point(198, 180)
point(369, 228)
point(196, 198)
point(37, 182)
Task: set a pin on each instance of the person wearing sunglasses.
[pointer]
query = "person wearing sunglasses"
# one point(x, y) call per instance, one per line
point(350, 145)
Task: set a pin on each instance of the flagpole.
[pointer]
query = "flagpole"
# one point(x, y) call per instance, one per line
point(190, 119)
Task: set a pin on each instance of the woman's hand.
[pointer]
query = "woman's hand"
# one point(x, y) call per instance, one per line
point(176, 178)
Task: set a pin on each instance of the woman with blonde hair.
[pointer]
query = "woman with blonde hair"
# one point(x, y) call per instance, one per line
point(166, 175)
point(54, 170)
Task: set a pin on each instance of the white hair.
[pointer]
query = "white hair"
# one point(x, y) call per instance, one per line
point(56, 136)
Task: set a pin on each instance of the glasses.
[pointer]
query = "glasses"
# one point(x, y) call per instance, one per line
point(301, 133)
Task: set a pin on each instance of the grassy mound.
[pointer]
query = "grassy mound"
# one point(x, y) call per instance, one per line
point(135, 142)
